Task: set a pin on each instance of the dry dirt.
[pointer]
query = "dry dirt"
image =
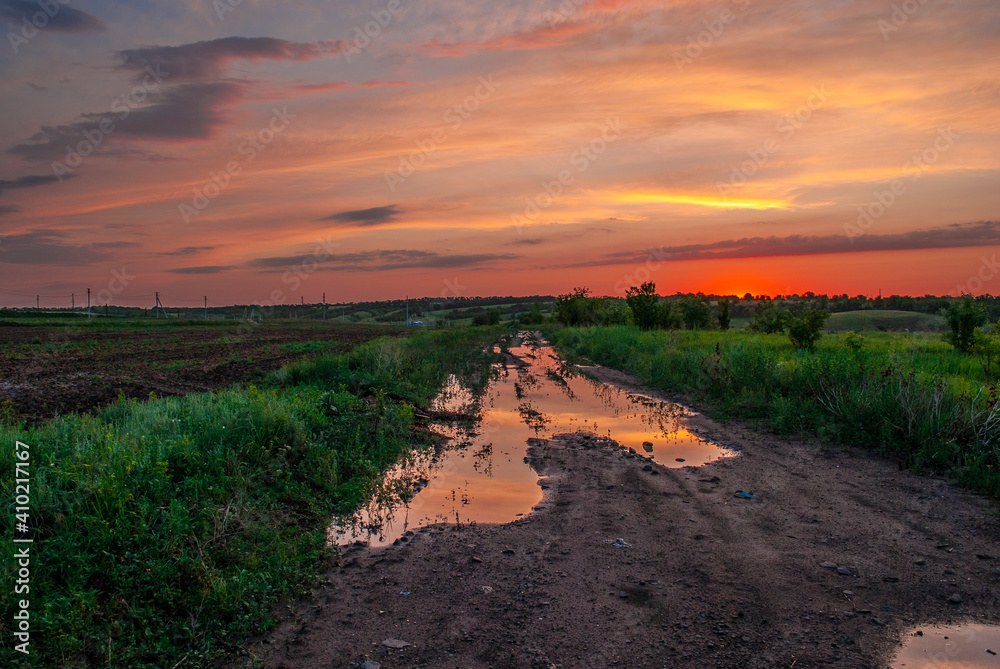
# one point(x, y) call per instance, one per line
point(706, 579)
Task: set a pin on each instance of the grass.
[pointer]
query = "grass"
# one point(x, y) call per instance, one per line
point(910, 396)
point(167, 529)
point(884, 320)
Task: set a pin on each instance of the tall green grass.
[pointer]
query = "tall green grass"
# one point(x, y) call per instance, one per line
point(168, 529)
point(909, 396)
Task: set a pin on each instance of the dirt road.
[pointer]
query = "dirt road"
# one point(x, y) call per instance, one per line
point(704, 579)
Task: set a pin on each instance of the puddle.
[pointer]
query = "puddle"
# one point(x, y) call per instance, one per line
point(482, 477)
point(951, 647)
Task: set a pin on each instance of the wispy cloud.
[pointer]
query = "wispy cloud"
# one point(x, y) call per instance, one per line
point(66, 19)
point(51, 247)
point(188, 251)
point(205, 269)
point(29, 181)
point(209, 59)
point(366, 217)
point(182, 113)
point(375, 261)
point(957, 235)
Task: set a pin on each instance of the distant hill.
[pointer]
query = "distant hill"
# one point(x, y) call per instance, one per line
point(885, 320)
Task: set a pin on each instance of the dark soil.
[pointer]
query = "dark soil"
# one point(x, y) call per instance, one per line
point(706, 579)
point(48, 371)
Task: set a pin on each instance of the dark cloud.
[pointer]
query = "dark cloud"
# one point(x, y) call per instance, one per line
point(365, 217)
point(50, 247)
point(206, 269)
point(376, 261)
point(29, 181)
point(956, 235)
point(526, 242)
point(186, 112)
point(202, 60)
point(188, 250)
point(65, 19)
point(8, 209)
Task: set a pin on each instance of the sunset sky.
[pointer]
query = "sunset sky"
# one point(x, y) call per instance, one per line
point(269, 151)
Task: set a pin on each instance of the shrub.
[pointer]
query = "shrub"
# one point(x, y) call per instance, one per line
point(963, 318)
point(694, 312)
point(806, 329)
point(769, 319)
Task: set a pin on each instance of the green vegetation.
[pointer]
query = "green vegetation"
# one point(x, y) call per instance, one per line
point(914, 397)
point(885, 321)
point(167, 530)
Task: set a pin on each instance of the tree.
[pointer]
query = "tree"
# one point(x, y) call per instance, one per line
point(571, 309)
point(694, 312)
point(723, 315)
point(645, 305)
point(806, 329)
point(963, 318)
point(769, 319)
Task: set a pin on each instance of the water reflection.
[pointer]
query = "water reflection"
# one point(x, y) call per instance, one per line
point(970, 646)
point(479, 474)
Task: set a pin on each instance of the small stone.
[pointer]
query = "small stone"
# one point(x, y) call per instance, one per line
point(844, 570)
point(647, 446)
point(647, 468)
point(680, 459)
point(955, 599)
point(623, 594)
point(370, 665)
point(395, 643)
point(828, 565)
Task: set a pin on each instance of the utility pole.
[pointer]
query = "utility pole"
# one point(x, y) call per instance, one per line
point(206, 307)
point(407, 311)
point(88, 303)
point(72, 301)
point(324, 306)
point(37, 298)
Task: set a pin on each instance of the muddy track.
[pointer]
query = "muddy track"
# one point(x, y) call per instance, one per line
point(706, 579)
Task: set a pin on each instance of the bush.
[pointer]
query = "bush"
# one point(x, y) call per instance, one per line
point(963, 318)
point(806, 329)
point(694, 312)
point(769, 319)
